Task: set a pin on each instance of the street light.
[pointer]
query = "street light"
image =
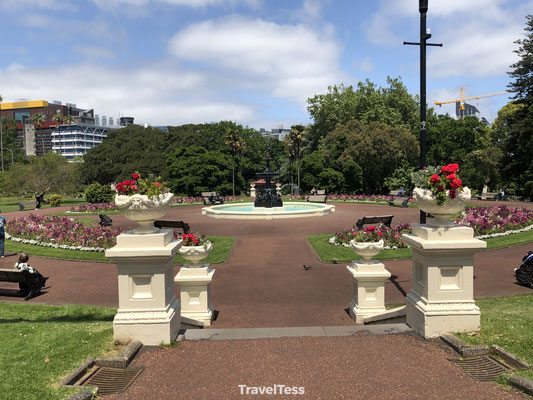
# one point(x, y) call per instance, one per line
point(424, 36)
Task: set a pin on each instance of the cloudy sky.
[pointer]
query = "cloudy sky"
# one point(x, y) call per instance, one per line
point(170, 62)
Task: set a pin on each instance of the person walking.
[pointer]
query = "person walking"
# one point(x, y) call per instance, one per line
point(2, 235)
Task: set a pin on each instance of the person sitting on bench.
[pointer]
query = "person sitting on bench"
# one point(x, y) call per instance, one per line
point(216, 199)
point(22, 265)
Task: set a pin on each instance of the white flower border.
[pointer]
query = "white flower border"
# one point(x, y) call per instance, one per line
point(53, 245)
point(332, 241)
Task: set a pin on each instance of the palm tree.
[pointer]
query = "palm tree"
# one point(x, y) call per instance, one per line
point(38, 119)
point(59, 118)
point(294, 140)
point(234, 141)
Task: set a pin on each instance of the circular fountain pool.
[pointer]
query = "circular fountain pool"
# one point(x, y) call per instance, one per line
point(248, 211)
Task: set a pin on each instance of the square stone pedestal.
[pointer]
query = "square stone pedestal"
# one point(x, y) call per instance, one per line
point(441, 299)
point(195, 302)
point(148, 309)
point(368, 289)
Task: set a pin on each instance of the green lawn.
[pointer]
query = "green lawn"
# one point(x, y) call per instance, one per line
point(327, 252)
point(507, 322)
point(66, 336)
point(10, 204)
point(221, 249)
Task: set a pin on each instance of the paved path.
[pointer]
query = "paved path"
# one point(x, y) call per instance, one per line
point(263, 283)
point(364, 367)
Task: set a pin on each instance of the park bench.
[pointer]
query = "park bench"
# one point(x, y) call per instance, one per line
point(320, 196)
point(524, 274)
point(212, 198)
point(399, 202)
point(105, 220)
point(383, 219)
point(487, 196)
point(29, 284)
point(173, 224)
point(25, 204)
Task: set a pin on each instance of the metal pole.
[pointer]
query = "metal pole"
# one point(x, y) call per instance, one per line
point(423, 7)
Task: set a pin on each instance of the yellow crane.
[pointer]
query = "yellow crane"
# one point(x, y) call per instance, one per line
point(462, 100)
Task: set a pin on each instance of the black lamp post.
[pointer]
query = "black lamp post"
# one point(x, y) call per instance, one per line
point(424, 36)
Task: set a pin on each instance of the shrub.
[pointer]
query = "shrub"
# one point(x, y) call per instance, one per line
point(55, 200)
point(97, 193)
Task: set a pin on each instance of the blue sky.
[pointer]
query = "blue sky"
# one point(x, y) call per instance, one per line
point(251, 61)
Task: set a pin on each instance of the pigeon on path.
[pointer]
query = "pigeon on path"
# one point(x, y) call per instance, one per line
point(307, 267)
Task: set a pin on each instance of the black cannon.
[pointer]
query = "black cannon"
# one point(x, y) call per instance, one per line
point(524, 274)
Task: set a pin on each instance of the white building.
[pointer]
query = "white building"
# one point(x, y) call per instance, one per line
point(276, 133)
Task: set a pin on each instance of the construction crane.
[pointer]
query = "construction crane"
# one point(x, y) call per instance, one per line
point(462, 100)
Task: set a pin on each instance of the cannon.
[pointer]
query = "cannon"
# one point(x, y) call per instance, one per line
point(524, 274)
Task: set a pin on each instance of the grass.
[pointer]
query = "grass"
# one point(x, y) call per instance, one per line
point(81, 214)
point(219, 254)
point(327, 252)
point(507, 322)
point(10, 204)
point(64, 335)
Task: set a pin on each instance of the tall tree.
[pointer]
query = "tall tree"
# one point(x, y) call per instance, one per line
point(518, 163)
point(38, 119)
point(295, 139)
point(234, 141)
point(59, 118)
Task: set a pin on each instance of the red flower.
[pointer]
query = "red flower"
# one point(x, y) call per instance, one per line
point(380, 234)
point(157, 184)
point(453, 193)
point(451, 177)
point(435, 178)
point(127, 183)
point(134, 187)
point(449, 169)
point(135, 176)
point(371, 229)
point(440, 188)
point(456, 183)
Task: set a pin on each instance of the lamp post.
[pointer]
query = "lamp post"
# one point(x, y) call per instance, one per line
point(424, 36)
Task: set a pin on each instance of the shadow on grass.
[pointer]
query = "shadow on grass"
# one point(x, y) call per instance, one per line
point(62, 318)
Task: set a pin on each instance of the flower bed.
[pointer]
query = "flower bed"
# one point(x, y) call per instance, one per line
point(355, 198)
point(487, 222)
point(496, 219)
point(61, 232)
point(93, 208)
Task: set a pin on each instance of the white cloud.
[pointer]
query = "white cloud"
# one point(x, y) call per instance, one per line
point(158, 94)
point(18, 5)
point(477, 35)
point(364, 65)
point(186, 3)
point(35, 20)
point(291, 61)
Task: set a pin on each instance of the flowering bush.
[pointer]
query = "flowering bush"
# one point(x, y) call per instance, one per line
point(497, 219)
point(194, 240)
point(443, 181)
point(62, 231)
point(392, 237)
point(94, 207)
point(368, 234)
point(137, 185)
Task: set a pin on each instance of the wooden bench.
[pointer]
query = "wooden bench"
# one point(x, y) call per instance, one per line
point(320, 196)
point(383, 219)
point(105, 220)
point(29, 284)
point(399, 202)
point(25, 205)
point(173, 224)
point(211, 198)
point(487, 196)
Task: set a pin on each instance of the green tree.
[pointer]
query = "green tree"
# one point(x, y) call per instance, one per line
point(313, 165)
point(235, 143)
point(194, 169)
point(518, 163)
point(392, 105)
point(38, 119)
point(378, 148)
point(294, 143)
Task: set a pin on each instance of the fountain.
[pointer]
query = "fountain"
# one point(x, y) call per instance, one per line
point(268, 204)
point(268, 196)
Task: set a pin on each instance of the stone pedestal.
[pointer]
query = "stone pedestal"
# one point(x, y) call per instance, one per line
point(278, 189)
point(368, 289)
point(148, 309)
point(441, 299)
point(194, 284)
point(252, 190)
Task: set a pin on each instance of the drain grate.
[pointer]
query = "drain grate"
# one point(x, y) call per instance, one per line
point(111, 380)
point(482, 368)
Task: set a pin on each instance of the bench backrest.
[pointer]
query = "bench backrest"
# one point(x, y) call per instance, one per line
point(384, 219)
point(320, 192)
point(207, 194)
point(13, 275)
point(105, 220)
point(173, 224)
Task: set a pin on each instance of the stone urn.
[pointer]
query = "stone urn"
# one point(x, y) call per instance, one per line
point(195, 254)
point(367, 250)
point(144, 209)
point(442, 212)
